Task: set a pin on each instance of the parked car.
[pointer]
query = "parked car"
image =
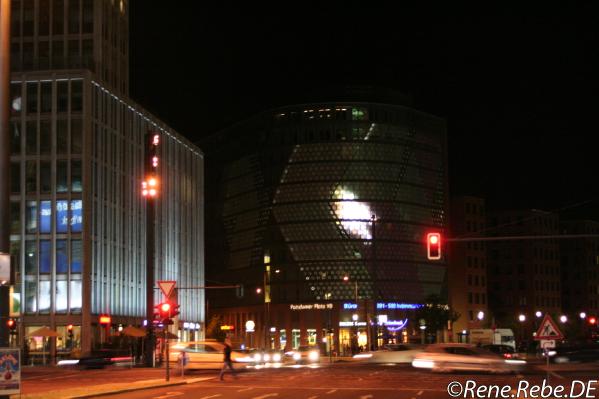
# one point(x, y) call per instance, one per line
point(304, 354)
point(206, 354)
point(464, 357)
point(398, 353)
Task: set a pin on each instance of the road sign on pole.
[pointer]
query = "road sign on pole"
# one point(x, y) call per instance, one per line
point(166, 286)
point(547, 343)
point(548, 330)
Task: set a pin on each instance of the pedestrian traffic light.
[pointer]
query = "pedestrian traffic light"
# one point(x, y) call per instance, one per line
point(592, 320)
point(433, 246)
point(12, 325)
point(70, 331)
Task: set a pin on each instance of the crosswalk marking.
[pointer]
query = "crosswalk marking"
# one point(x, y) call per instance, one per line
point(268, 395)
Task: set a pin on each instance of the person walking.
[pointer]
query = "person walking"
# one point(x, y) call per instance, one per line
point(227, 360)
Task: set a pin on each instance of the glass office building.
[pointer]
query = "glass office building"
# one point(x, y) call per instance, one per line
point(78, 222)
point(326, 205)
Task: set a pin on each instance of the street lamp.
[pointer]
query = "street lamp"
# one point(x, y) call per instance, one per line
point(522, 318)
point(538, 313)
point(480, 316)
point(563, 318)
point(583, 315)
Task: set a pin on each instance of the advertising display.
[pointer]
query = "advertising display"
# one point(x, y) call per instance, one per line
point(10, 371)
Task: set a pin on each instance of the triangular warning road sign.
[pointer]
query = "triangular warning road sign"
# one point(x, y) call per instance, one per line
point(548, 330)
point(166, 287)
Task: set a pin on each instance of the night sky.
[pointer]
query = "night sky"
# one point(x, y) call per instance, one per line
point(518, 86)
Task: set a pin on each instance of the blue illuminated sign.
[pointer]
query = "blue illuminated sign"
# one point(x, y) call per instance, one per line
point(76, 216)
point(46, 217)
point(395, 305)
point(62, 216)
point(396, 325)
point(350, 306)
point(69, 217)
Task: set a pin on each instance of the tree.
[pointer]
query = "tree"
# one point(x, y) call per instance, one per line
point(435, 314)
point(214, 331)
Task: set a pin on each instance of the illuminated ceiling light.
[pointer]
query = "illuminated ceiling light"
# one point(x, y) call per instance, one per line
point(156, 139)
point(152, 192)
point(152, 182)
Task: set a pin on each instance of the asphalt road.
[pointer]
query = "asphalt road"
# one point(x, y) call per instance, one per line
point(347, 381)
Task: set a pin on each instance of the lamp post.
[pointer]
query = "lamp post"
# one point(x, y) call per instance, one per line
point(375, 338)
point(521, 319)
point(150, 190)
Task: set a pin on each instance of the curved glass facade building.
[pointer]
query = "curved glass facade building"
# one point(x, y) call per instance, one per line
point(327, 202)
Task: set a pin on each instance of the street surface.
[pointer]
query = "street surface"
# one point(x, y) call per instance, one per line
point(341, 381)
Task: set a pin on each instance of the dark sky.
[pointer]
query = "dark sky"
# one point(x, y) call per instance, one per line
point(518, 86)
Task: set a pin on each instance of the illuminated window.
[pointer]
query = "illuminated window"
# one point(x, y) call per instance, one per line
point(45, 299)
point(353, 215)
point(76, 296)
point(295, 338)
point(61, 296)
point(45, 256)
point(62, 216)
point(61, 256)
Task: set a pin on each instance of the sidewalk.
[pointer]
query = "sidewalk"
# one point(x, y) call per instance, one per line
point(90, 390)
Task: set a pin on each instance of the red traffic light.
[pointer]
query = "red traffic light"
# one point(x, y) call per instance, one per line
point(592, 320)
point(433, 246)
point(164, 310)
point(12, 324)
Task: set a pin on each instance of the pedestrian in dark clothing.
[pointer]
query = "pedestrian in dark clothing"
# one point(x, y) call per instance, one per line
point(227, 360)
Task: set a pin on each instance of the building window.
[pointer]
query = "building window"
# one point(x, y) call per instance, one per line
point(45, 137)
point(76, 216)
point(76, 256)
point(31, 176)
point(45, 256)
point(15, 138)
point(61, 176)
point(61, 256)
point(30, 296)
point(45, 177)
point(31, 217)
point(31, 257)
point(63, 96)
point(45, 217)
point(295, 338)
point(15, 217)
point(45, 296)
point(62, 298)
point(76, 95)
point(62, 216)
point(76, 296)
point(31, 138)
point(32, 98)
point(15, 177)
point(76, 175)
